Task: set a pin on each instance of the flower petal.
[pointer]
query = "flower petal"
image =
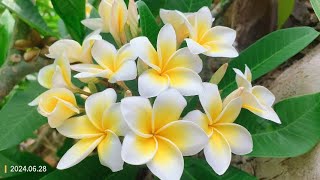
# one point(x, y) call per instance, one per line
point(137, 150)
point(211, 101)
point(195, 47)
point(151, 84)
point(137, 112)
point(72, 49)
point(220, 50)
point(251, 103)
point(238, 137)
point(204, 21)
point(218, 153)
point(78, 128)
point(181, 133)
point(166, 44)
point(125, 53)
point(105, 13)
point(93, 23)
point(146, 52)
point(186, 81)
point(242, 80)
point(104, 53)
point(263, 95)
point(185, 59)
point(118, 19)
point(45, 76)
point(87, 45)
point(200, 119)
point(90, 68)
point(220, 34)
point(230, 112)
point(127, 71)
point(97, 104)
point(78, 152)
point(247, 73)
point(113, 120)
point(167, 164)
point(109, 151)
point(165, 110)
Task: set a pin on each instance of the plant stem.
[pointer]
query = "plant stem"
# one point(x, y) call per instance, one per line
point(123, 85)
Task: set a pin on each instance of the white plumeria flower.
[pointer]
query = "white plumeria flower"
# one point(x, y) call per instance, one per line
point(257, 99)
point(57, 74)
point(73, 50)
point(100, 128)
point(57, 104)
point(88, 9)
point(114, 16)
point(158, 138)
point(171, 68)
point(225, 136)
point(203, 39)
point(112, 64)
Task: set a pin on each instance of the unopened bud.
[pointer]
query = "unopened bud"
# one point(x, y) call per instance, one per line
point(128, 93)
point(31, 54)
point(219, 74)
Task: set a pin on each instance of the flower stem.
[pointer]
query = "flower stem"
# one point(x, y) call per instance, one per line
point(123, 85)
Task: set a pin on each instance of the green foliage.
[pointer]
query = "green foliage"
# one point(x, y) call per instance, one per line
point(17, 119)
point(13, 157)
point(6, 31)
point(72, 12)
point(199, 169)
point(316, 7)
point(129, 172)
point(29, 13)
point(148, 23)
point(268, 53)
point(285, 7)
point(49, 15)
point(298, 133)
point(89, 168)
point(155, 6)
point(187, 5)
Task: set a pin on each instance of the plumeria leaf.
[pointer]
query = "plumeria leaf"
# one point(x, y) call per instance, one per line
point(17, 119)
point(89, 168)
point(155, 6)
point(285, 7)
point(268, 53)
point(6, 30)
point(148, 24)
point(29, 13)
point(297, 134)
point(128, 172)
point(13, 157)
point(72, 12)
point(199, 169)
point(187, 5)
point(316, 6)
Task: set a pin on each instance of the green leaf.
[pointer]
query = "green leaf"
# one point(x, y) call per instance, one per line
point(199, 169)
point(89, 168)
point(29, 13)
point(285, 7)
point(72, 12)
point(268, 53)
point(155, 6)
point(129, 172)
point(187, 5)
point(316, 7)
point(298, 132)
point(17, 119)
point(148, 24)
point(6, 30)
point(13, 157)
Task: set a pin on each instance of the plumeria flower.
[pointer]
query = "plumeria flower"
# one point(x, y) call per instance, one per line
point(225, 136)
point(57, 104)
point(114, 17)
point(257, 99)
point(88, 9)
point(74, 51)
point(100, 128)
point(157, 137)
point(170, 68)
point(112, 64)
point(57, 74)
point(203, 39)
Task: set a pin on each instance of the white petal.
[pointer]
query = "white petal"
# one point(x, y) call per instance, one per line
point(203, 21)
point(200, 119)
point(238, 137)
point(220, 34)
point(151, 84)
point(218, 153)
point(263, 95)
point(45, 76)
point(167, 163)
point(137, 112)
point(109, 151)
point(186, 81)
point(90, 68)
point(247, 73)
point(241, 80)
point(220, 50)
point(166, 43)
point(78, 152)
point(211, 101)
point(113, 120)
point(97, 104)
point(72, 49)
point(165, 110)
point(137, 150)
point(186, 135)
point(104, 53)
point(127, 71)
point(195, 47)
point(125, 53)
point(93, 23)
point(230, 112)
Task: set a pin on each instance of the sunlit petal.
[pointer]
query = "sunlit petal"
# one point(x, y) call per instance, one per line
point(230, 112)
point(219, 34)
point(211, 101)
point(151, 84)
point(220, 50)
point(113, 120)
point(263, 95)
point(166, 44)
point(200, 119)
point(104, 53)
point(127, 71)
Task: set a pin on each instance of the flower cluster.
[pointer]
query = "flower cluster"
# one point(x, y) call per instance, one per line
point(154, 132)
